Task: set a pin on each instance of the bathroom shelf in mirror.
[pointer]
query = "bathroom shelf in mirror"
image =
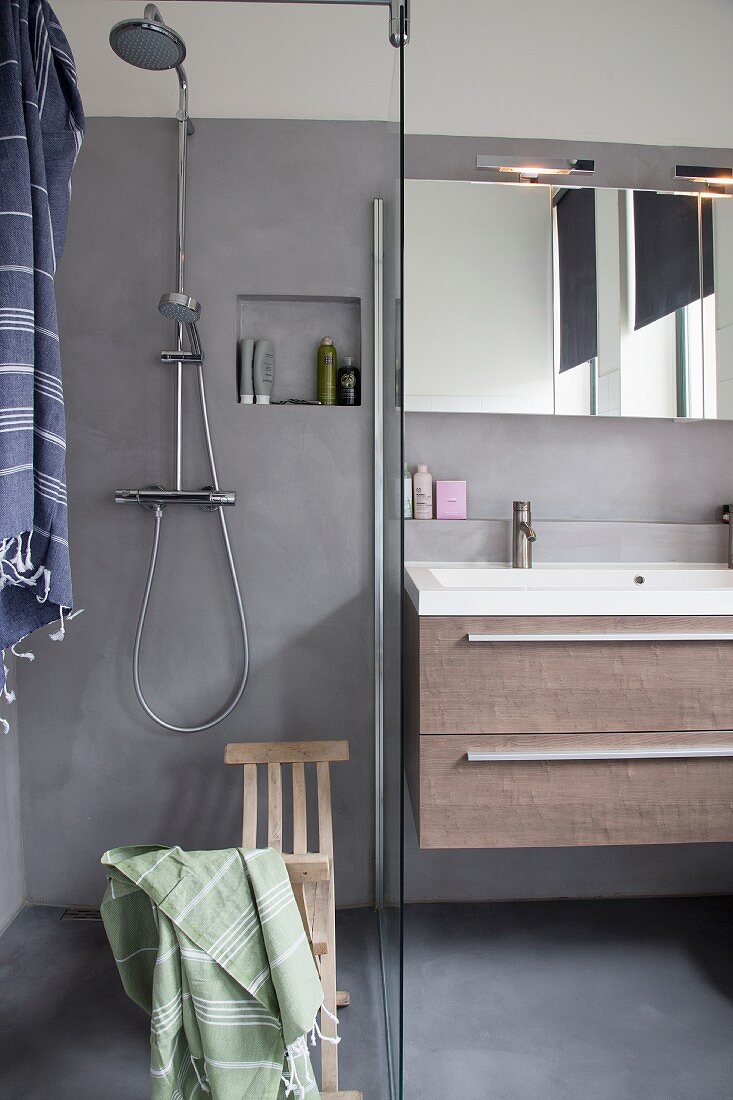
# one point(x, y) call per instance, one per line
point(296, 325)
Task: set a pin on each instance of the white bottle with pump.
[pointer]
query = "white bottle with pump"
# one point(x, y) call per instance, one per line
point(423, 494)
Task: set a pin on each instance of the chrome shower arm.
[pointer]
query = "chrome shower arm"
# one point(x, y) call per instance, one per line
point(183, 100)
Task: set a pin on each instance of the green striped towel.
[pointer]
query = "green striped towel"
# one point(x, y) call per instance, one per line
point(212, 946)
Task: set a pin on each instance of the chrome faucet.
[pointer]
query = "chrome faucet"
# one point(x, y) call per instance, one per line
point(523, 535)
point(727, 512)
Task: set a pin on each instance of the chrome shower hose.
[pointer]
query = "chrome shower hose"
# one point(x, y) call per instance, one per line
point(235, 584)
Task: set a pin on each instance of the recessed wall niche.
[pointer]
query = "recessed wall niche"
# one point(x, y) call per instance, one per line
point(296, 325)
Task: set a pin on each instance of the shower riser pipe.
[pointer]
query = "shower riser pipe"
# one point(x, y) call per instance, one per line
point(180, 265)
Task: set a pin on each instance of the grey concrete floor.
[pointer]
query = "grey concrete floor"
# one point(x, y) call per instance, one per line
point(68, 1032)
point(563, 1000)
point(589, 1000)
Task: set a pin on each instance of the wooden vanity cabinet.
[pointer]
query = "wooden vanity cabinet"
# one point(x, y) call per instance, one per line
point(572, 696)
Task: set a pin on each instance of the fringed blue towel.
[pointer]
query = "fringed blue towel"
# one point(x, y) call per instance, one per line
point(41, 129)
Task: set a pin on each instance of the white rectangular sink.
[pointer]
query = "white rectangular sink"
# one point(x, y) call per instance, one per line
point(570, 589)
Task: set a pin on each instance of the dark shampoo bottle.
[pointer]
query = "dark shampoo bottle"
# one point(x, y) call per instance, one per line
point(349, 383)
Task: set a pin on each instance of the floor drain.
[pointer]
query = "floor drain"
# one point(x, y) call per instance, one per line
point(78, 912)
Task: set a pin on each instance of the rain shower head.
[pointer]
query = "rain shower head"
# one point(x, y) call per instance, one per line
point(148, 43)
point(180, 307)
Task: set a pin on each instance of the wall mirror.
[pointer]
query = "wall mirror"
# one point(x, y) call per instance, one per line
point(529, 298)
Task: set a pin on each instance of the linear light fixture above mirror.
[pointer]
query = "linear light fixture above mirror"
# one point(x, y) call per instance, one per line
point(716, 179)
point(531, 170)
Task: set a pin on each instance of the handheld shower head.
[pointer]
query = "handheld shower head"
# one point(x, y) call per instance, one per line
point(186, 311)
point(180, 307)
point(148, 43)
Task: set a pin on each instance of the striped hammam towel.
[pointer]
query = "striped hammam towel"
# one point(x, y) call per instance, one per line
point(41, 128)
point(212, 946)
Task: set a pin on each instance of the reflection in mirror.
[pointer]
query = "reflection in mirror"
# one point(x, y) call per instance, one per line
point(478, 317)
point(664, 273)
point(575, 311)
point(535, 299)
point(718, 345)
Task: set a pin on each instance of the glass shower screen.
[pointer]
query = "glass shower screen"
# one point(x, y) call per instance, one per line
point(389, 459)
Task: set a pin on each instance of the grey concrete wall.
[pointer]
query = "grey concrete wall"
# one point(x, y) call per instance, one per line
point(580, 468)
point(601, 490)
point(574, 540)
point(281, 208)
point(12, 877)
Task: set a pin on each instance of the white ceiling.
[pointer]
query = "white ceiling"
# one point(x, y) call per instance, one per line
point(245, 60)
point(643, 71)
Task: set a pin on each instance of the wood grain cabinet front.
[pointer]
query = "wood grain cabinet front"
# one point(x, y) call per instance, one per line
point(553, 801)
point(572, 686)
point(669, 700)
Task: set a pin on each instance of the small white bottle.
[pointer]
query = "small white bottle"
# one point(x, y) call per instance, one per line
point(246, 382)
point(423, 494)
point(406, 493)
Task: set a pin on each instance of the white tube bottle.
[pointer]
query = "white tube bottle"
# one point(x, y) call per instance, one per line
point(263, 371)
point(423, 494)
point(246, 383)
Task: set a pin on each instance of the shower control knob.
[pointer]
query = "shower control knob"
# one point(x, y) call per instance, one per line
point(220, 499)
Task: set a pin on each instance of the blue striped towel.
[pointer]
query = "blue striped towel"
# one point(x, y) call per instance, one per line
point(41, 130)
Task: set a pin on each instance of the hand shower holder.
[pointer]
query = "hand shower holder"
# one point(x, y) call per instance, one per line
point(182, 357)
point(155, 497)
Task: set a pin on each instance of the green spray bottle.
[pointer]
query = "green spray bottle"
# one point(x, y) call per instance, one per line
point(327, 372)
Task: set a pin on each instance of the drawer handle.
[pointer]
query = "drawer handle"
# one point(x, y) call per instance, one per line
point(600, 754)
point(617, 637)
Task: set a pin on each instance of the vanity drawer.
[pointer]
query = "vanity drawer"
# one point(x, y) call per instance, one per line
point(571, 686)
point(562, 802)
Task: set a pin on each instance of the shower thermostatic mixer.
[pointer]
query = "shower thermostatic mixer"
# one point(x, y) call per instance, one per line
point(156, 497)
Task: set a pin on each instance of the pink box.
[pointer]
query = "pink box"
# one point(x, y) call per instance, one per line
point(450, 500)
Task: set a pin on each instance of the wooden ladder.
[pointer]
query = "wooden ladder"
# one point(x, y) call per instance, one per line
point(311, 872)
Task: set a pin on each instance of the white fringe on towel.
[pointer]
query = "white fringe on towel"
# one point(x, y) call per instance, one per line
point(16, 569)
point(14, 564)
point(294, 1085)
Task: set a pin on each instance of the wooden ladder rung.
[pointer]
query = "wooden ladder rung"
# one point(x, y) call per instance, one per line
point(343, 998)
point(275, 807)
point(342, 1096)
point(307, 868)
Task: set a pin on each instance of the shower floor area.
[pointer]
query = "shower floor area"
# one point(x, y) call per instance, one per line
point(68, 1032)
point(560, 1000)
